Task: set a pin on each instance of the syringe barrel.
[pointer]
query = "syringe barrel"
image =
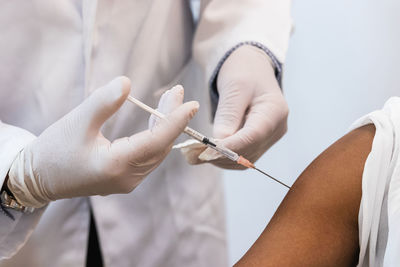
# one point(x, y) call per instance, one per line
point(227, 153)
point(194, 134)
point(200, 137)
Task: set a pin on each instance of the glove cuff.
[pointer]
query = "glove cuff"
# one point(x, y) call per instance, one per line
point(214, 96)
point(22, 182)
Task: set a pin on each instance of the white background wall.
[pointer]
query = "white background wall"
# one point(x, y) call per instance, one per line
point(343, 62)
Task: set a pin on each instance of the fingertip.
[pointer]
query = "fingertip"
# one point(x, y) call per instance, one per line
point(120, 88)
point(194, 106)
point(176, 94)
point(126, 85)
point(105, 101)
point(171, 99)
point(178, 89)
point(178, 119)
point(168, 129)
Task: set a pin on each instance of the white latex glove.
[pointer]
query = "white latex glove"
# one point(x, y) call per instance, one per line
point(72, 158)
point(252, 112)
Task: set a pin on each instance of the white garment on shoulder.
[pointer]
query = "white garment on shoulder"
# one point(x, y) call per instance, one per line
point(379, 215)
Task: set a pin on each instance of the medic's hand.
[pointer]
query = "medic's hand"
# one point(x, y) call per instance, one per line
point(252, 112)
point(72, 158)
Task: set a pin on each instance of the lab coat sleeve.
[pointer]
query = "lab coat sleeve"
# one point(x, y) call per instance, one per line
point(14, 232)
point(225, 25)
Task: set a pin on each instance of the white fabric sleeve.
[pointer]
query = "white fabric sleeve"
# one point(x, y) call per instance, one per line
point(379, 214)
point(223, 24)
point(14, 233)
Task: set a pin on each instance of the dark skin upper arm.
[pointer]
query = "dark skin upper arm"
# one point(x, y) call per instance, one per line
point(317, 222)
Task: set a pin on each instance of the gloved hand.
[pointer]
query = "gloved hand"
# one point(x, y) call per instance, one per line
point(72, 158)
point(252, 112)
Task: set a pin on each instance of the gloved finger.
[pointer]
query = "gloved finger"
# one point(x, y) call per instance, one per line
point(265, 124)
point(168, 129)
point(152, 145)
point(168, 102)
point(153, 118)
point(173, 99)
point(104, 102)
point(231, 109)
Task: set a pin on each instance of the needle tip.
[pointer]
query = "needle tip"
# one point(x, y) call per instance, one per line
point(276, 180)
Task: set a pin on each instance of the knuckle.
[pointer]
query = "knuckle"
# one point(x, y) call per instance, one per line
point(282, 117)
point(282, 129)
point(284, 109)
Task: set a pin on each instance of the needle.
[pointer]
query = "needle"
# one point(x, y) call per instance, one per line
point(276, 180)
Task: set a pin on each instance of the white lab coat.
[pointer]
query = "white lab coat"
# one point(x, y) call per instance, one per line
point(54, 53)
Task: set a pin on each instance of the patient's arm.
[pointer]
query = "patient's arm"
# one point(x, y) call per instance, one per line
point(317, 222)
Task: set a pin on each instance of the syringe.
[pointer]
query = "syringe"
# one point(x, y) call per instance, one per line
point(207, 141)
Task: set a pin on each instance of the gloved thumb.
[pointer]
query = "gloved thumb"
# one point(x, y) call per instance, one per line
point(105, 101)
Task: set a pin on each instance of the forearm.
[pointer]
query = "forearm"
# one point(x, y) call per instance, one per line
point(317, 222)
